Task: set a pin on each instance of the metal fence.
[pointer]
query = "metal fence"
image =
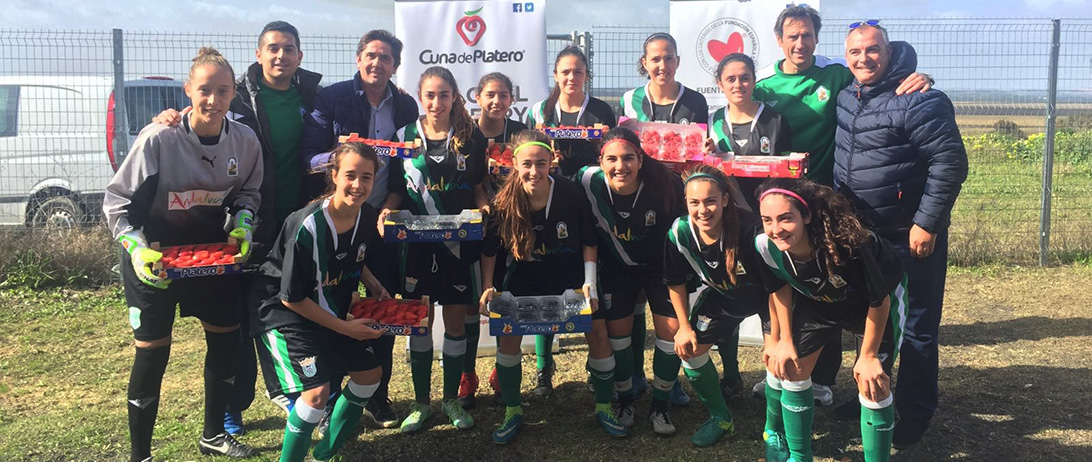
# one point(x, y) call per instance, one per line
point(55, 149)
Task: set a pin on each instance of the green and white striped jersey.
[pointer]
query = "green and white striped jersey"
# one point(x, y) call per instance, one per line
point(690, 107)
point(685, 257)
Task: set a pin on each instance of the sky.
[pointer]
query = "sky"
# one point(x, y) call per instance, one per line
point(353, 17)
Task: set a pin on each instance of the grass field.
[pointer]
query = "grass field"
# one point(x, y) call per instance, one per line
point(1014, 386)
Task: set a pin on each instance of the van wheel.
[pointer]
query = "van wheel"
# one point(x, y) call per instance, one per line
point(57, 212)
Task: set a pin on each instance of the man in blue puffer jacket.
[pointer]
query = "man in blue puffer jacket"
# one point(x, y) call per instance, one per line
point(900, 160)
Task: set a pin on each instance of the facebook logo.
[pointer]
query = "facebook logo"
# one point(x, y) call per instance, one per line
point(528, 7)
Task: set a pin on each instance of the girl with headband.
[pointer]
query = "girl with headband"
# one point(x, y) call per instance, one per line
point(663, 99)
point(303, 293)
point(745, 127)
point(494, 97)
point(444, 180)
point(570, 105)
point(714, 244)
point(541, 227)
point(634, 199)
point(826, 272)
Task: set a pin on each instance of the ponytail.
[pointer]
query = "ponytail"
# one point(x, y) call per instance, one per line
point(462, 126)
point(555, 94)
point(730, 227)
point(512, 206)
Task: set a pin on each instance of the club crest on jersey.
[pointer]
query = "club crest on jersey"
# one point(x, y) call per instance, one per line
point(740, 270)
point(232, 167)
point(562, 230)
point(308, 366)
point(703, 322)
point(460, 162)
point(837, 281)
point(411, 284)
point(360, 252)
point(822, 94)
point(650, 218)
point(764, 145)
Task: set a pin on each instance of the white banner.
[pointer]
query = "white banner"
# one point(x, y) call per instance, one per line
point(706, 31)
point(472, 39)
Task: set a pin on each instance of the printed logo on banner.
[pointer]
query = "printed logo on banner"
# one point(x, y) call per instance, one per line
point(521, 7)
point(722, 37)
point(471, 27)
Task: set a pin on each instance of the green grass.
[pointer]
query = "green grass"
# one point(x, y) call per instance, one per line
point(1009, 386)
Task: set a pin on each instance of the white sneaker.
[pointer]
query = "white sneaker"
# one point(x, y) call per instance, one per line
point(626, 414)
point(661, 422)
point(823, 395)
point(759, 390)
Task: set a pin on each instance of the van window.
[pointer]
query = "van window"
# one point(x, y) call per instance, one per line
point(9, 104)
point(145, 102)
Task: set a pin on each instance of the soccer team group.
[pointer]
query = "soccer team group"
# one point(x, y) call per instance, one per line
point(861, 245)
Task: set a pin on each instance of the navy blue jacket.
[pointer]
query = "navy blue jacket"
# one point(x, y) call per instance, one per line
point(899, 159)
point(341, 109)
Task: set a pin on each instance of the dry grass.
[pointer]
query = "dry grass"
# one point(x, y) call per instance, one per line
point(40, 258)
point(1014, 380)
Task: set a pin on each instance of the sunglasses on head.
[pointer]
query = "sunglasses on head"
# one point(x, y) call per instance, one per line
point(870, 22)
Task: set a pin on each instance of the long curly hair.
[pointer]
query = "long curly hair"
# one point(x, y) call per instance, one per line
point(833, 230)
point(463, 126)
point(512, 206)
point(730, 227)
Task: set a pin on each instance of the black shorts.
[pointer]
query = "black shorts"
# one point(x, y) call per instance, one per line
point(715, 317)
point(216, 300)
point(811, 330)
point(622, 292)
point(306, 358)
point(430, 270)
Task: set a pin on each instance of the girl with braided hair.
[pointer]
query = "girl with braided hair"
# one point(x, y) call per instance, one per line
point(541, 227)
point(825, 272)
point(712, 244)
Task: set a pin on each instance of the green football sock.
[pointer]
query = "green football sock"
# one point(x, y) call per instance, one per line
point(703, 377)
point(473, 334)
point(602, 376)
point(509, 378)
point(623, 364)
point(347, 411)
point(421, 368)
point(774, 421)
point(876, 429)
point(798, 404)
point(297, 436)
point(454, 351)
point(544, 352)
point(729, 356)
point(665, 369)
point(637, 339)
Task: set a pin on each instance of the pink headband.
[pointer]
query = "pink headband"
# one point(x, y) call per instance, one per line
point(618, 140)
point(785, 192)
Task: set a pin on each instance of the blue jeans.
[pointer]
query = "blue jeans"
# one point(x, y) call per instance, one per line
point(916, 386)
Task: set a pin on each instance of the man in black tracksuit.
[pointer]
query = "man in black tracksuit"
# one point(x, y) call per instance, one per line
point(900, 160)
point(371, 106)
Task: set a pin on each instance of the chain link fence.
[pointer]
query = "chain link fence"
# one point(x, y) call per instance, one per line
point(58, 126)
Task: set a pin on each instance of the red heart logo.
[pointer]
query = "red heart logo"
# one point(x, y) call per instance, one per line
point(470, 24)
point(718, 49)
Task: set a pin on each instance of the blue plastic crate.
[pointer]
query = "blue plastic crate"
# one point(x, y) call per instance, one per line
point(403, 226)
point(507, 315)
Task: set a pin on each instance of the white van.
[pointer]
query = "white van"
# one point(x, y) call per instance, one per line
point(56, 143)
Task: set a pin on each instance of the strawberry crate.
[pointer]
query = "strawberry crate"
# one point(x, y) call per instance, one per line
point(394, 316)
point(403, 226)
point(197, 260)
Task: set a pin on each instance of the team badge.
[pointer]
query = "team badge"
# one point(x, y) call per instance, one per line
point(460, 162)
point(740, 270)
point(232, 167)
point(411, 284)
point(764, 145)
point(134, 317)
point(308, 366)
point(360, 252)
point(562, 230)
point(703, 322)
point(650, 218)
point(837, 281)
point(822, 94)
